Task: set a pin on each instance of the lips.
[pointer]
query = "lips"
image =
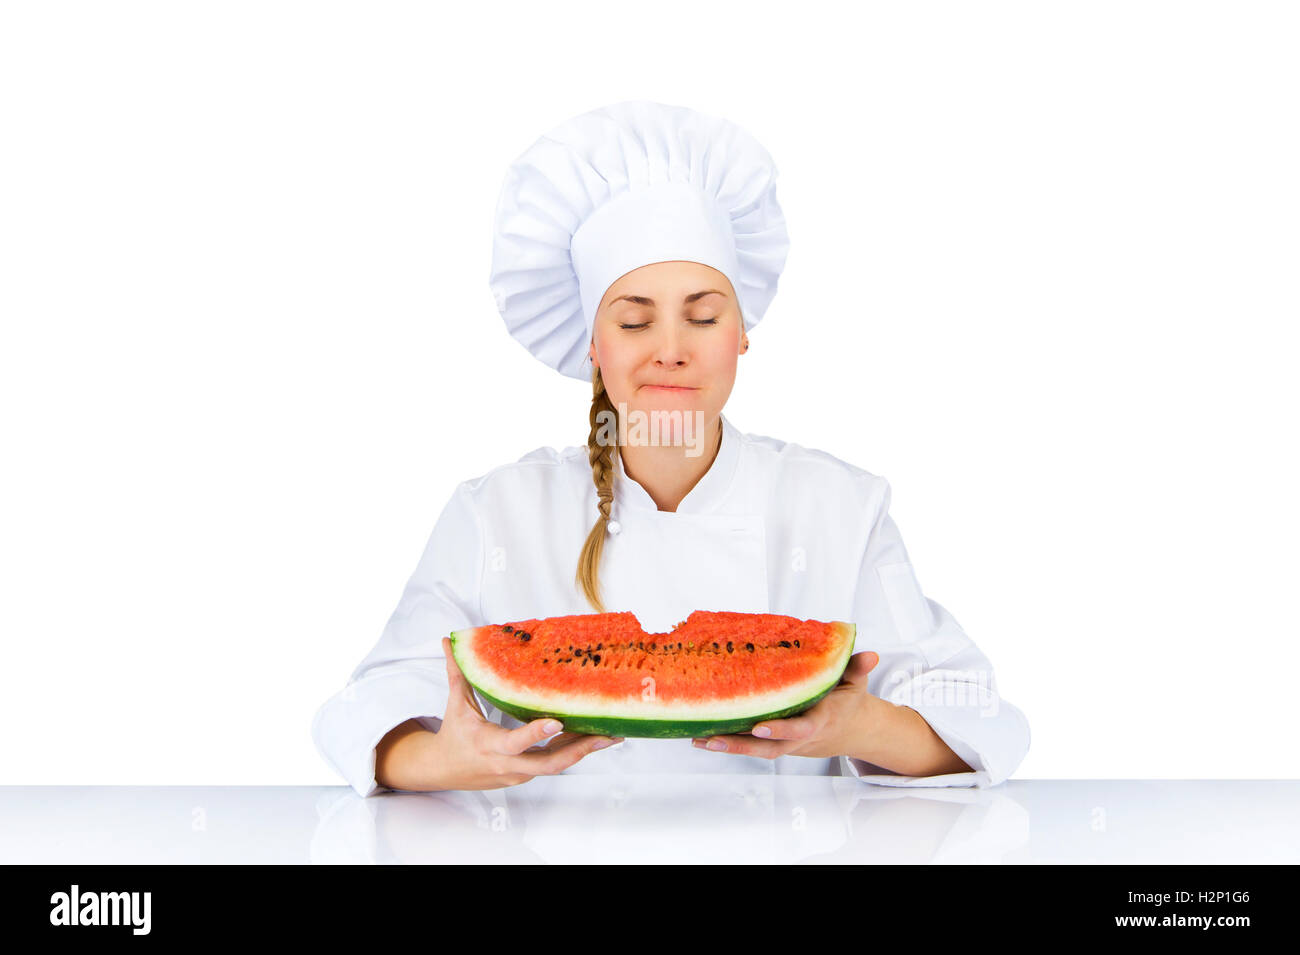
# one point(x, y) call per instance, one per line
point(670, 387)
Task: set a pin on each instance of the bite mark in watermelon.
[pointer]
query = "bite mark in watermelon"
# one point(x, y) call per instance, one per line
point(716, 672)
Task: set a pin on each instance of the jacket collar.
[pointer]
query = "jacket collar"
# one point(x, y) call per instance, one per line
point(708, 492)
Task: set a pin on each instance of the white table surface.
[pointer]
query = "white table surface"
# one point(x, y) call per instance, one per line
point(660, 818)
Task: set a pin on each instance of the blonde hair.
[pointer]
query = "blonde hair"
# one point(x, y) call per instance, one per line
point(601, 457)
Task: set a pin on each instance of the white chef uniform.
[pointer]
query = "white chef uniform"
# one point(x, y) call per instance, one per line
point(772, 527)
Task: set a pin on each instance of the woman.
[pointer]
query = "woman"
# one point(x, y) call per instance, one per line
point(635, 248)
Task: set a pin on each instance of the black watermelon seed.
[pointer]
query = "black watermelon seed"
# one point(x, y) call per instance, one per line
point(595, 658)
point(796, 643)
point(584, 661)
point(715, 644)
point(525, 636)
point(730, 648)
point(749, 647)
point(784, 643)
point(508, 629)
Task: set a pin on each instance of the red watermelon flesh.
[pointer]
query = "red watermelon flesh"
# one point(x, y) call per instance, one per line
point(715, 672)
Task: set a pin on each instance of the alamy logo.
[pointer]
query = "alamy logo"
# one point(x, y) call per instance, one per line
point(101, 908)
point(658, 428)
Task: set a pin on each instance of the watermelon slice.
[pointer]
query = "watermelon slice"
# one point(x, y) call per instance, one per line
point(715, 672)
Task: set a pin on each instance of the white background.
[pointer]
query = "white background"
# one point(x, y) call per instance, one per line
point(1043, 277)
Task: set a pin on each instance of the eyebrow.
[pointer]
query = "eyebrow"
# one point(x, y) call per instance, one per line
point(642, 300)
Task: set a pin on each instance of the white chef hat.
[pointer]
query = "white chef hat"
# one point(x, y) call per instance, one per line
point(618, 188)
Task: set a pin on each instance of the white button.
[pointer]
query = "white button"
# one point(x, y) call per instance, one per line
point(614, 527)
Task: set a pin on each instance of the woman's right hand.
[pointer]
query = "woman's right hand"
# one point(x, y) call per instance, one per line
point(469, 751)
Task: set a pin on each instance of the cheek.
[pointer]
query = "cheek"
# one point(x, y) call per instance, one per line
point(724, 358)
point(617, 368)
point(616, 372)
point(613, 362)
point(620, 353)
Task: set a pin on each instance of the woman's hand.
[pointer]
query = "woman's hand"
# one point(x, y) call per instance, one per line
point(469, 751)
point(828, 729)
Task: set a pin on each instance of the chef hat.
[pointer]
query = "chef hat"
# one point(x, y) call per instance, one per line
point(618, 188)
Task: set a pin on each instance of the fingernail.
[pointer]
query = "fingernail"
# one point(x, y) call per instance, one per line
point(551, 726)
point(601, 744)
point(717, 745)
point(762, 731)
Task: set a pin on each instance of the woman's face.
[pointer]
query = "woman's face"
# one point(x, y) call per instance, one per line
point(669, 323)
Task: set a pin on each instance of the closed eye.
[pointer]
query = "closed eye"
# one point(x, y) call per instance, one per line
point(693, 321)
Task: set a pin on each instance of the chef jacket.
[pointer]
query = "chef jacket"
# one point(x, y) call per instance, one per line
point(771, 527)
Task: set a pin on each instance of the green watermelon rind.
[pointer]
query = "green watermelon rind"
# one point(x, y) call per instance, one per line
point(602, 725)
point(651, 729)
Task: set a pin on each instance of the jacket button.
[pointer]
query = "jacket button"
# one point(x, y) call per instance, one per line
point(614, 527)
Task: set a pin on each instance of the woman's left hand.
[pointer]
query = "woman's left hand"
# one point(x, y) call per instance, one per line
point(824, 730)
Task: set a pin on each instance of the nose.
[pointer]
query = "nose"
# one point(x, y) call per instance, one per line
point(669, 347)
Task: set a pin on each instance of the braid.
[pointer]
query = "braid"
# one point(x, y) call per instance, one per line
point(601, 457)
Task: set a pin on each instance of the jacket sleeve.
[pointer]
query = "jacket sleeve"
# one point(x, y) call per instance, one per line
point(928, 663)
point(404, 676)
